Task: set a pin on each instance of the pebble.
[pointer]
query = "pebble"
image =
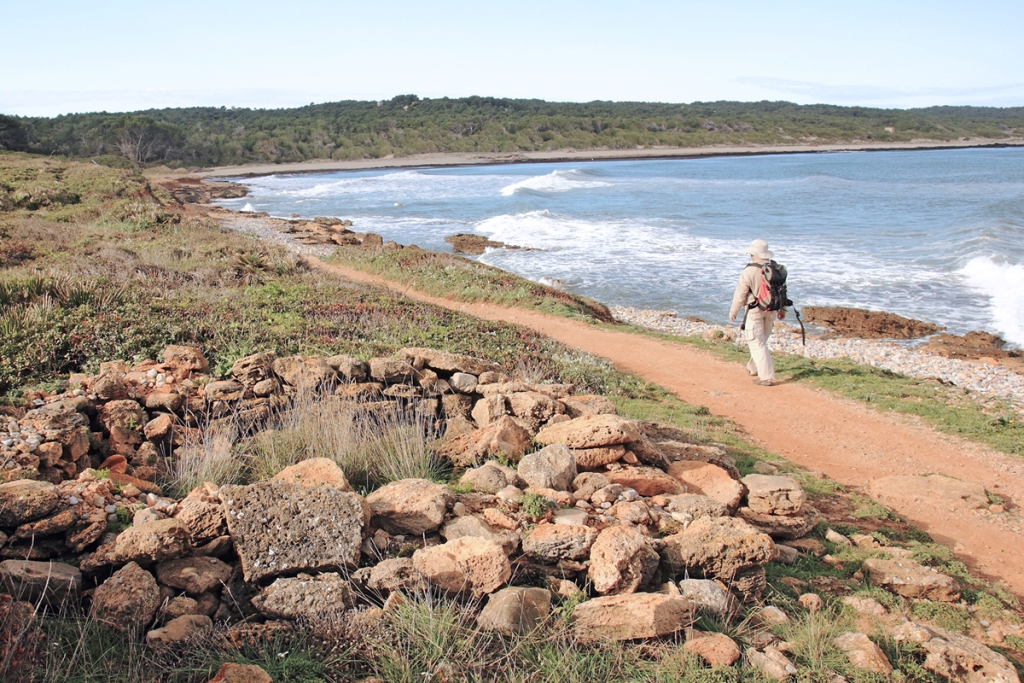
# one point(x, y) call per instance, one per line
point(110, 509)
point(985, 379)
point(73, 501)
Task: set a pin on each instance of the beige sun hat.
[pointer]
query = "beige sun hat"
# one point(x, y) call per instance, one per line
point(759, 250)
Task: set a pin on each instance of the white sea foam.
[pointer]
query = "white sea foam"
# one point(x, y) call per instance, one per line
point(556, 181)
point(248, 208)
point(1003, 284)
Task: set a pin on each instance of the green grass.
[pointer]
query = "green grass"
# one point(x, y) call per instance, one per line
point(463, 279)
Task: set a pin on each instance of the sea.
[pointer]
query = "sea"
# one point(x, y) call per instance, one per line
point(936, 235)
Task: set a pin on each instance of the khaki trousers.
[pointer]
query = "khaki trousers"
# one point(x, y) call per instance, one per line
point(758, 329)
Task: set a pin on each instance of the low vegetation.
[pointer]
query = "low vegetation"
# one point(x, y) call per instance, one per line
point(406, 124)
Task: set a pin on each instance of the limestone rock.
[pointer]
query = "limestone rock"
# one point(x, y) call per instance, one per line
point(315, 472)
point(349, 367)
point(185, 358)
point(590, 431)
point(447, 362)
point(718, 547)
point(959, 658)
point(193, 574)
point(534, 405)
point(787, 527)
point(912, 580)
point(647, 481)
point(621, 560)
point(863, 654)
point(410, 506)
point(772, 663)
point(226, 390)
point(774, 495)
point(159, 428)
point(463, 382)
point(578, 406)
point(241, 673)
point(864, 606)
point(631, 616)
point(503, 438)
point(471, 525)
point(515, 610)
point(717, 649)
point(165, 539)
point(709, 480)
point(304, 597)
point(474, 566)
point(488, 478)
point(53, 583)
point(553, 542)
point(552, 467)
point(201, 513)
point(488, 410)
point(593, 458)
point(47, 526)
point(391, 370)
point(127, 600)
point(253, 369)
point(393, 575)
point(304, 372)
point(310, 529)
point(811, 602)
point(26, 500)
point(179, 630)
point(588, 483)
point(705, 594)
point(686, 507)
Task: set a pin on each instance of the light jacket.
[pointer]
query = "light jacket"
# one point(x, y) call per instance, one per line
point(744, 295)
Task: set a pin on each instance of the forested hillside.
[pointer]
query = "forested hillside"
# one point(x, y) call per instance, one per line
point(409, 125)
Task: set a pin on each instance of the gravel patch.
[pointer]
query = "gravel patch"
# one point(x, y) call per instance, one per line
point(269, 229)
point(987, 380)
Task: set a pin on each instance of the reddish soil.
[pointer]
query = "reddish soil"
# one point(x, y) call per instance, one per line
point(845, 440)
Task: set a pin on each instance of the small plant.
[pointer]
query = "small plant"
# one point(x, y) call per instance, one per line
point(101, 474)
point(460, 488)
point(535, 505)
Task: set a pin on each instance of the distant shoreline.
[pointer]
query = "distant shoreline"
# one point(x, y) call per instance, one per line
point(565, 156)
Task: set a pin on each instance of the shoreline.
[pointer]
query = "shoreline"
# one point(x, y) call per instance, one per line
point(447, 159)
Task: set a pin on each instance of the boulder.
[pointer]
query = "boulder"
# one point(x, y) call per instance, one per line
point(165, 539)
point(164, 401)
point(446, 362)
point(554, 542)
point(473, 566)
point(959, 658)
point(621, 560)
point(201, 513)
point(391, 370)
point(488, 478)
point(159, 428)
point(47, 526)
point(54, 584)
point(311, 529)
point(811, 602)
point(593, 458)
point(647, 481)
point(503, 438)
point(587, 484)
point(253, 369)
point(578, 406)
point(410, 506)
point(706, 595)
point(26, 500)
point(534, 405)
point(787, 527)
point(125, 414)
point(910, 579)
point(488, 410)
point(186, 358)
point(709, 480)
point(552, 467)
point(193, 575)
point(127, 600)
point(631, 616)
point(304, 372)
point(315, 472)
point(471, 525)
point(590, 431)
point(349, 367)
point(109, 387)
point(515, 610)
point(463, 382)
point(722, 548)
point(241, 673)
point(717, 649)
point(179, 630)
point(226, 390)
point(863, 653)
point(304, 597)
point(774, 495)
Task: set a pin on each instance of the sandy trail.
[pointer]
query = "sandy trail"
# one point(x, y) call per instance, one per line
point(846, 440)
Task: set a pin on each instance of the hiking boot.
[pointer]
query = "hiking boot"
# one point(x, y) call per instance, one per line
point(763, 382)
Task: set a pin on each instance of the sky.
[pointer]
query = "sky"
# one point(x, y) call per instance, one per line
point(64, 57)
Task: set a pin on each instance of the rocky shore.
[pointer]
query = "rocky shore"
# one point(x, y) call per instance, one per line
point(984, 378)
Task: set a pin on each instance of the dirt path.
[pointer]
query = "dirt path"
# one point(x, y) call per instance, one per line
point(846, 440)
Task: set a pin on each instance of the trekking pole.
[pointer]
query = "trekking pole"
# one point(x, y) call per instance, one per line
point(803, 335)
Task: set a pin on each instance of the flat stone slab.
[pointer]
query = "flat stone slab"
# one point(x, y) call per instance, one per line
point(55, 583)
point(282, 527)
point(631, 616)
point(26, 500)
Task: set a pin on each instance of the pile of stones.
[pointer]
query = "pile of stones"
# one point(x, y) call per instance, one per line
point(560, 500)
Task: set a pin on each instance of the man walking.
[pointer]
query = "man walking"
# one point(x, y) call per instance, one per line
point(759, 322)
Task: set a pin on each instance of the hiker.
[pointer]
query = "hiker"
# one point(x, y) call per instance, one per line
point(759, 316)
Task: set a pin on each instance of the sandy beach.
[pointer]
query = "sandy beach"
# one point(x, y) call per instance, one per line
point(466, 159)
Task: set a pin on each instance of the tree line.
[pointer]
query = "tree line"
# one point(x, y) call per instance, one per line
point(205, 136)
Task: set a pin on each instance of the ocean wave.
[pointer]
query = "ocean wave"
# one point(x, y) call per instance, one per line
point(1002, 283)
point(556, 181)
